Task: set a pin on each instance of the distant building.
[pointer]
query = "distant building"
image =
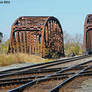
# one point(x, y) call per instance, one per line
point(1, 36)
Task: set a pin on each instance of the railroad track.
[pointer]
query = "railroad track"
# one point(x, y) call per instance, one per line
point(46, 64)
point(42, 73)
point(40, 66)
point(50, 81)
point(35, 69)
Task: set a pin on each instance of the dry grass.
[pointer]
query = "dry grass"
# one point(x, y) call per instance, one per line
point(20, 58)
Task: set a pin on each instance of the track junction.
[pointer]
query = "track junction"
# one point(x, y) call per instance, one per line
point(46, 77)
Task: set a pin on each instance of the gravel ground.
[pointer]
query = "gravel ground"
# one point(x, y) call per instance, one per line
point(81, 84)
point(86, 86)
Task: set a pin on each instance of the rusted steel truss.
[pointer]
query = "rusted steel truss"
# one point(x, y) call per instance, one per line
point(37, 35)
point(88, 34)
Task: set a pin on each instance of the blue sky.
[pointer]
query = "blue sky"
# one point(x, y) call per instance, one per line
point(71, 13)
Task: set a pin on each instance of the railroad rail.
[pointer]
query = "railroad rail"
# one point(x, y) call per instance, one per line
point(29, 71)
point(46, 64)
point(76, 71)
point(57, 71)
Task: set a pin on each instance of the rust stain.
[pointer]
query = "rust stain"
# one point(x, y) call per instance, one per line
point(88, 34)
point(41, 35)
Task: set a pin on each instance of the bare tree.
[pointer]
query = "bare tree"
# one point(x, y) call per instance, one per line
point(73, 43)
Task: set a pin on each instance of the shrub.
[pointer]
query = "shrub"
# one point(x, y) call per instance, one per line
point(4, 47)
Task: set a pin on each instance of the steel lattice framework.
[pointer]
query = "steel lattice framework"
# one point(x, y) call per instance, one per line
point(37, 35)
point(88, 34)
